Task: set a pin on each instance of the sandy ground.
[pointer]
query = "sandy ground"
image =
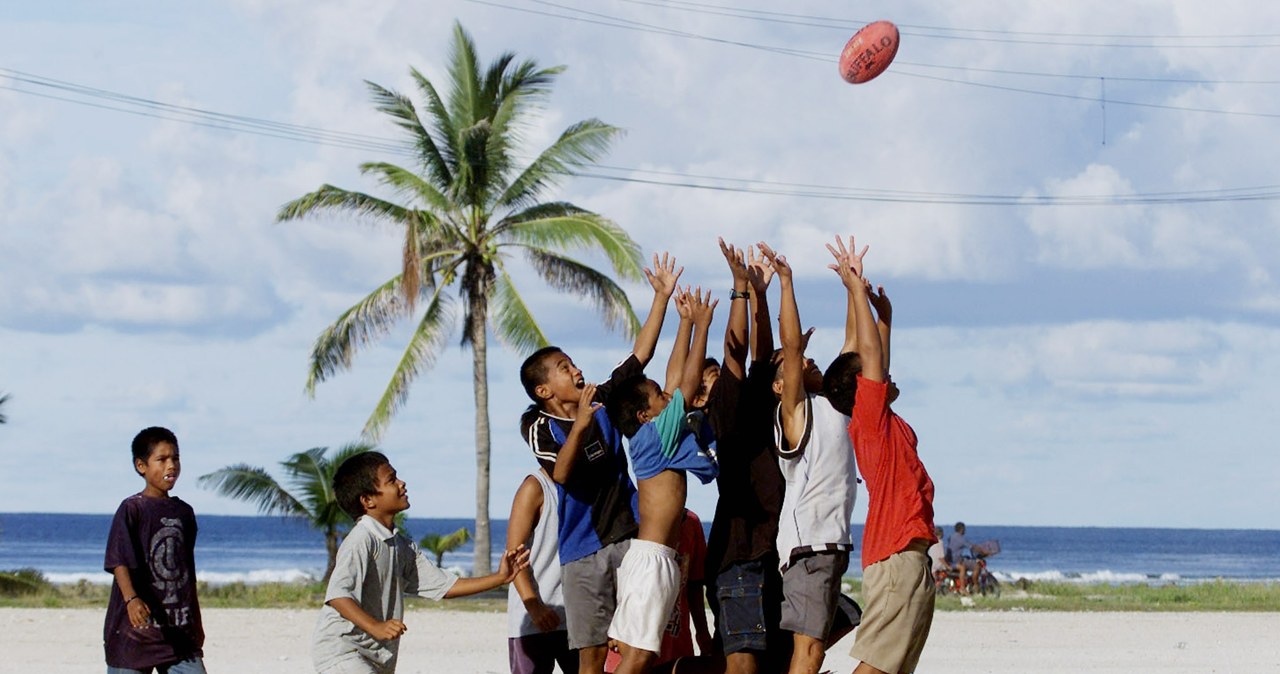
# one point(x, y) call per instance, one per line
point(54, 641)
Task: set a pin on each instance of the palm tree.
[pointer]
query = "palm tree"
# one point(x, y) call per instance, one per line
point(468, 209)
point(438, 544)
point(310, 495)
point(4, 399)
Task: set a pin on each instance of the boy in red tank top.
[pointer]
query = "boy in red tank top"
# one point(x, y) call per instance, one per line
point(899, 527)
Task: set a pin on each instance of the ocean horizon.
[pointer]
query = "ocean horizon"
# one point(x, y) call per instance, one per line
point(68, 548)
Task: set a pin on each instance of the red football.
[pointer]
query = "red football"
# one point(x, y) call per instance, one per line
point(869, 52)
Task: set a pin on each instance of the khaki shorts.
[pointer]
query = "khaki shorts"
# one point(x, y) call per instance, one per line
point(899, 594)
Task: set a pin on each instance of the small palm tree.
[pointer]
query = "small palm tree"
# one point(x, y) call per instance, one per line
point(467, 207)
point(310, 495)
point(438, 544)
point(4, 399)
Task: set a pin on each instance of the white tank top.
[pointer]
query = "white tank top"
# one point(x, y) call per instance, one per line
point(544, 565)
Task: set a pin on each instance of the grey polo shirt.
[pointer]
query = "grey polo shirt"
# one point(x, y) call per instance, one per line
point(375, 568)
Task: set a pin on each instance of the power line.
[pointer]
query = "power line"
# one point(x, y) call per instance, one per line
point(952, 33)
point(134, 105)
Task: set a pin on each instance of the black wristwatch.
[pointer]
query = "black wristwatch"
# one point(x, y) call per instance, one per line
point(739, 294)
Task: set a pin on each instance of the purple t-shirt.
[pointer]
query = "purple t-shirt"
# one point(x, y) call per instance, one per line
point(156, 539)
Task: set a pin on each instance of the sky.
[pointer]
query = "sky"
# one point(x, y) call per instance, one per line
point(1073, 207)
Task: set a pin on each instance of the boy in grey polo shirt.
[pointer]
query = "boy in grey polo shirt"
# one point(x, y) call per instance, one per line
point(360, 624)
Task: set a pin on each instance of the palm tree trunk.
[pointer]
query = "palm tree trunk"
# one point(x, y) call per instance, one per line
point(331, 544)
point(480, 381)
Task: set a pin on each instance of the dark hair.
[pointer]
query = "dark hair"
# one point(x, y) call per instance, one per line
point(146, 440)
point(710, 362)
point(840, 381)
point(960, 527)
point(356, 477)
point(533, 372)
point(626, 401)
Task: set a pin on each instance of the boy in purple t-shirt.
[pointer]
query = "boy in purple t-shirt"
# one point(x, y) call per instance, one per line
point(153, 616)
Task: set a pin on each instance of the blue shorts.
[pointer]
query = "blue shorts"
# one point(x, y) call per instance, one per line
point(747, 607)
point(188, 666)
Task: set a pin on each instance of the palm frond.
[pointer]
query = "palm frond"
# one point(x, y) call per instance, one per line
point(563, 226)
point(402, 109)
point(574, 277)
point(513, 323)
point(424, 346)
point(465, 106)
point(408, 184)
point(365, 322)
point(579, 145)
point(252, 484)
point(4, 399)
point(441, 121)
point(335, 199)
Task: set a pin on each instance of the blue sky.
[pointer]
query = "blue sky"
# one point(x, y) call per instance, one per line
point(1095, 365)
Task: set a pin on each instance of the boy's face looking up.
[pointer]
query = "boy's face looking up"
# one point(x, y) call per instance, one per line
point(391, 497)
point(658, 400)
point(710, 374)
point(564, 380)
point(812, 376)
point(160, 470)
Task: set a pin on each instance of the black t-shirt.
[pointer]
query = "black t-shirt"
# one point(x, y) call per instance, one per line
point(751, 487)
point(598, 500)
point(155, 538)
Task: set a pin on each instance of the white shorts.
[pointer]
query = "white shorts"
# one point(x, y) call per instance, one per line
point(648, 582)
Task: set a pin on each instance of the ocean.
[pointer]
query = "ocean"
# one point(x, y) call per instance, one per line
point(68, 548)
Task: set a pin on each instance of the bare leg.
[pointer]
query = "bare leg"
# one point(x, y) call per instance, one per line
point(864, 668)
point(807, 656)
point(591, 659)
point(741, 663)
point(634, 660)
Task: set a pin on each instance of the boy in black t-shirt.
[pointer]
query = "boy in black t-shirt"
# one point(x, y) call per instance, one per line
point(153, 616)
point(571, 437)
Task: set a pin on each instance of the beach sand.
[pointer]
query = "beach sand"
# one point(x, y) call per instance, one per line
point(58, 641)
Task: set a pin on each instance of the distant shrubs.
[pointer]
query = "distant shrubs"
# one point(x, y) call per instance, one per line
point(22, 581)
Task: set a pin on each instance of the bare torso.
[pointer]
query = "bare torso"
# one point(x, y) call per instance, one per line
point(662, 500)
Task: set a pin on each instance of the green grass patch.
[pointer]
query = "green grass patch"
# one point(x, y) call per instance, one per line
point(28, 588)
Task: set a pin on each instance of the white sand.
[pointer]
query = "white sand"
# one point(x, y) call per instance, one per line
point(54, 641)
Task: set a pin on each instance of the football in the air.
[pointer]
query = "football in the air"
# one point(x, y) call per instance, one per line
point(869, 52)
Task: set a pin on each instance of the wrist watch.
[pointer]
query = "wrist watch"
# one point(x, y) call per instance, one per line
point(739, 294)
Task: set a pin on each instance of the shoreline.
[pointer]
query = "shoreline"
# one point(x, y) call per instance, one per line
point(446, 640)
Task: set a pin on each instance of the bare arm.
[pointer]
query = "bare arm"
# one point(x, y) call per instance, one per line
point(139, 612)
point(884, 319)
point(526, 511)
point(663, 278)
point(759, 274)
point(793, 395)
point(849, 266)
point(735, 333)
point(567, 457)
point(514, 560)
point(701, 310)
point(680, 349)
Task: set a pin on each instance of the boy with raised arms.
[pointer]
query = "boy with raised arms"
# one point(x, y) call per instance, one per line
point(897, 584)
point(664, 444)
point(572, 438)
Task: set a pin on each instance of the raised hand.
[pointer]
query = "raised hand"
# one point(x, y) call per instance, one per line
point(880, 301)
point(683, 307)
point(848, 264)
point(702, 307)
point(759, 271)
point(737, 261)
point(776, 261)
point(664, 274)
